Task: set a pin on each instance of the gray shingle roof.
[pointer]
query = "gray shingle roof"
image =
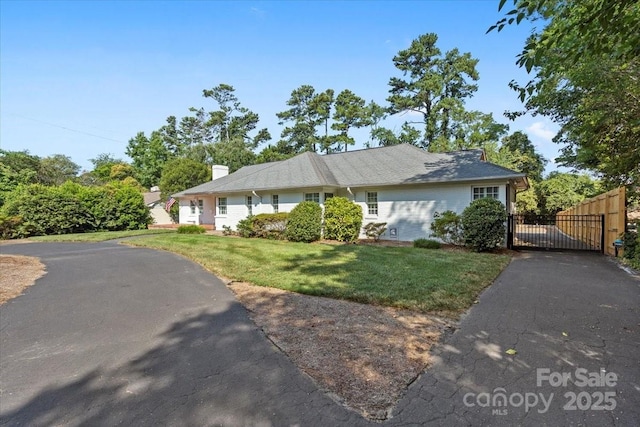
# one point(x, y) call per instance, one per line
point(393, 165)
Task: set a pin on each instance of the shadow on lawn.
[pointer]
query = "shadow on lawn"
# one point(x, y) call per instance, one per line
point(209, 369)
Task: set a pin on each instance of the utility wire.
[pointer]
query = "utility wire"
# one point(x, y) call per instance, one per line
point(66, 128)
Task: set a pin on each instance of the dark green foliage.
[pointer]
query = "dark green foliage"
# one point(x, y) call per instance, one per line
point(447, 226)
point(245, 227)
point(632, 248)
point(191, 229)
point(305, 223)
point(483, 222)
point(266, 226)
point(73, 208)
point(9, 226)
point(426, 244)
point(227, 231)
point(270, 226)
point(180, 174)
point(374, 230)
point(342, 219)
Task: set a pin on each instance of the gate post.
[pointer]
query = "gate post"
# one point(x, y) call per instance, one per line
point(602, 233)
point(510, 231)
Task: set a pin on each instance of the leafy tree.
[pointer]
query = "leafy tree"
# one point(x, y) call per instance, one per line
point(435, 86)
point(308, 111)
point(181, 173)
point(350, 112)
point(563, 190)
point(57, 169)
point(232, 120)
point(471, 129)
point(233, 153)
point(527, 159)
point(582, 60)
point(102, 165)
point(149, 156)
point(274, 153)
point(17, 167)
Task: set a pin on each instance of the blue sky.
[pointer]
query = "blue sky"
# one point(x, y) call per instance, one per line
point(82, 78)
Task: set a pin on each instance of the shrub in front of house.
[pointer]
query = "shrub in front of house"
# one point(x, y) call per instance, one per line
point(245, 227)
point(374, 230)
point(191, 229)
point(483, 222)
point(426, 244)
point(342, 219)
point(447, 226)
point(305, 223)
point(270, 225)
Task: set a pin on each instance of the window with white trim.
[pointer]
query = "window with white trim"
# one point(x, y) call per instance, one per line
point(372, 203)
point(275, 202)
point(312, 197)
point(222, 205)
point(192, 206)
point(483, 192)
point(200, 206)
point(250, 205)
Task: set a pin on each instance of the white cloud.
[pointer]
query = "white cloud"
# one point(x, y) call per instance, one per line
point(540, 130)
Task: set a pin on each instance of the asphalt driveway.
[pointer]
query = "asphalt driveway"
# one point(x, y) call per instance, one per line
point(118, 335)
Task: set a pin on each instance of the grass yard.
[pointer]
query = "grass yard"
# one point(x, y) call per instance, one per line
point(100, 236)
point(405, 277)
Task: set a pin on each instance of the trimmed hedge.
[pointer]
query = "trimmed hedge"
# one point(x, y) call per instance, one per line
point(483, 222)
point(305, 223)
point(270, 226)
point(191, 229)
point(73, 208)
point(426, 244)
point(342, 219)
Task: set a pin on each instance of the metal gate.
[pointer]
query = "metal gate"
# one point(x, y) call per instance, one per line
point(556, 232)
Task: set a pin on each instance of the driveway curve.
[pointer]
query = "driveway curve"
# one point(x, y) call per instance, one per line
point(118, 335)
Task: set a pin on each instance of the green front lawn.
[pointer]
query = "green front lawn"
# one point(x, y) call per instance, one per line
point(99, 236)
point(419, 279)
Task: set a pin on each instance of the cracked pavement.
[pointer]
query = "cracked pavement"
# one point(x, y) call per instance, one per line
point(119, 335)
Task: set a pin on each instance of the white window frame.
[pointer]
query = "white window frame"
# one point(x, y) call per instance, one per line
point(222, 205)
point(275, 203)
point(490, 191)
point(372, 203)
point(249, 203)
point(192, 207)
point(312, 197)
point(200, 206)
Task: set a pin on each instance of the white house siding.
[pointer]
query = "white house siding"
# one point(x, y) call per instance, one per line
point(411, 209)
point(206, 216)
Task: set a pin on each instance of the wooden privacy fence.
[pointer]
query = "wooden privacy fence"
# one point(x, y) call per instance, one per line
point(610, 204)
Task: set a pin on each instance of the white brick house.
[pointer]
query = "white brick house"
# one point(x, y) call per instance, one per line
point(401, 185)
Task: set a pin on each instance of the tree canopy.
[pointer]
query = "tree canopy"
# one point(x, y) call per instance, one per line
point(586, 70)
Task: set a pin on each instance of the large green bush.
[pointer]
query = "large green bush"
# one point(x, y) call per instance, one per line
point(632, 248)
point(447, 226)
point(342, 219)
point(270, 226)
point(483, 222)
point(305, 222)
point(73, 208)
